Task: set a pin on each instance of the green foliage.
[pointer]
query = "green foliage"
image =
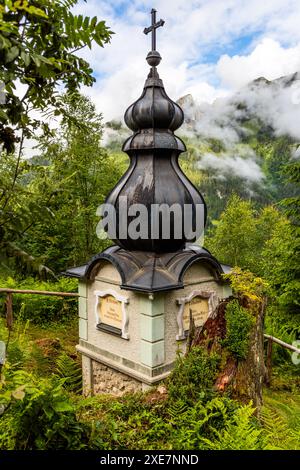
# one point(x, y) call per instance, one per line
point(280, 265)
point(38, 45)
point(241, 234)
point(276, 154)
point(284, 269)
point(38, 414)
point(75, 181)
point(20, 205)
point(39, 308)
point(177, 408)
point(193, 376)
point(198, 421)
point(239, 432)
point(280, 418)
point(48, 203)
point(271, 252)
point(282, 324)
point(235, 233)
point(139, 422)
point(239, 322)
point(275, 427)
point(69, 370)
point(246, 284)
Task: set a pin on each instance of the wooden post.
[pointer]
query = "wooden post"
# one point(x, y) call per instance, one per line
point(269, 361)
point(9, 311)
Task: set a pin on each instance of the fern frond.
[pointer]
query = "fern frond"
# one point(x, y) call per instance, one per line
point(177, 409)
point(68, 369)
point(279, 435)
point(240, 433)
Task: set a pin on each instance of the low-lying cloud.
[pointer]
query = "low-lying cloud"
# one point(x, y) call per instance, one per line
point(225, 164)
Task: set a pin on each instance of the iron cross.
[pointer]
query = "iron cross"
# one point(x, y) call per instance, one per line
point(153, 28)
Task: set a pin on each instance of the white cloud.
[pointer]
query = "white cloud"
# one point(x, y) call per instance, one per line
point(276, 105)
point(192, 30)
point(245, 168)
point(269, 59)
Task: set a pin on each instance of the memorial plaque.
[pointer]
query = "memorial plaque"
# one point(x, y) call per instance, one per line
point(110, 311)
point(200, 310)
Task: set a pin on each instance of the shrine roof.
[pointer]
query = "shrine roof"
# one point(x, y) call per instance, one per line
point(147, 271)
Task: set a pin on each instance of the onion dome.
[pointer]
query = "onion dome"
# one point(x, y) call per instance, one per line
point(154, 178)
point(153, 118)
point(154, 108)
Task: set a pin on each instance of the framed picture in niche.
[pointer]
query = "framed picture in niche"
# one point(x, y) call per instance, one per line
point(201, 305)
point(111, 314)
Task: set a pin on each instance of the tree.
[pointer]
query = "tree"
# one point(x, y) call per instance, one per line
point(282, 252)
point(39, 41)
point(38, 45)
point(77, 175)
point(268, 245)
point(235, 333)
point(242, 234)
point(232, 240)
point(21, 203)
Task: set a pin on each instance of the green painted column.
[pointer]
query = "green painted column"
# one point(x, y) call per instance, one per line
point(82, 310)
point(152, 330)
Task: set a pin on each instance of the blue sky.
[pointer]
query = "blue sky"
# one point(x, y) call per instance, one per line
point(210, 48)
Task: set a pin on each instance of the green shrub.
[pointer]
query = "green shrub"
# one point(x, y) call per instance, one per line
point(145, 422)
point(41, 309)
point(239, 321)
point(193, 376)
point(38, 414)
point(133, 421)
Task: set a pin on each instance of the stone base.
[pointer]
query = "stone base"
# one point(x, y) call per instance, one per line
point(107, 380)
point(101, 375)
point(99, 378)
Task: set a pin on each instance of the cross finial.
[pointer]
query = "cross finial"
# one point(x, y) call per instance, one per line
point(153, 28)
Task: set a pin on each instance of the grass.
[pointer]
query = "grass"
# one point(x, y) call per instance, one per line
point(36, 348)
point(281, 414)
point(66, 333)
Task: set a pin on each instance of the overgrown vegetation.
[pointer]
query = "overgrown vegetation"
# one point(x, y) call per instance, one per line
point(41, 308)
point(193, 376)
point(238, 326)
point(41, 411)
point(38, 414)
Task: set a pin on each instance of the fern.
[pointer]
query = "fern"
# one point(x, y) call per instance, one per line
point(177, 409)
point(279, 435)
point(200, 420)
point(239, 433)
point(68, 369)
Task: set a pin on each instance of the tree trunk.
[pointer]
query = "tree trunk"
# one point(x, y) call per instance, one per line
point(244, 378)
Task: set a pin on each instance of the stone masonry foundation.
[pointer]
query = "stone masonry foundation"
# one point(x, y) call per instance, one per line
point(107, 380)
